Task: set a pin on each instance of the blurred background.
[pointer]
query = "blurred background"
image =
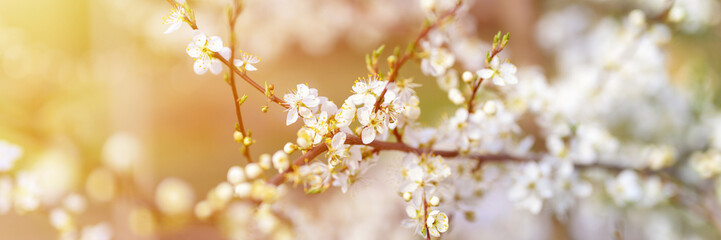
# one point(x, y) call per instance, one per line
point(86, 82)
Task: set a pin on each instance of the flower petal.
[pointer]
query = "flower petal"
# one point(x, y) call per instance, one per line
point(369, 134)
point(173, 27)
point(215, 66)
point(200, 66)
point(215, 44)
point(200, 39)
point(485, 73)
point(193, 50)
point(292, 116)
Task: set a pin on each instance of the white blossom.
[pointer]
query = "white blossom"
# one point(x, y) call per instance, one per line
point(301, 102)
point(246, 62)
point(437, 62)
point(366, 91)
point(532, 186)
point(202, 48)
point(437, 223)
point(500, 73)
point(175, 19)
point(625, 189)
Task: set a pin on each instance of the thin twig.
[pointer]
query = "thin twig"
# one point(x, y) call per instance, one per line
point(249, 80)
point(236, 100)
point(409, 54)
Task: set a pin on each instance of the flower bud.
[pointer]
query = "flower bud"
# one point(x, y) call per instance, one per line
point(467, 76)
point(264, 161)
point(289, 148)
point(238, 136)
point(434, 201)
point(281, 161)
point(253, 170)
point(236, 175)
point(243, 190)
point(407, 196)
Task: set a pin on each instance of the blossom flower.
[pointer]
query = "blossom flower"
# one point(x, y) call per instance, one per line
point(174, 18)
point(301, 102)
point(319, 125)
point(337, 149)
point(500, 73)
point(416, 177)
point(437, 223)
point(532, 186)
point(9, 153)
point(416, 213)
point(246, 62)
point(346, 113)
point(625, 189)
point(281, 161)
point(448, 80)
point(707, 164)
point(437, 62)
point(202, 49)
point(365, 91)
point(373, 122)
point(567, 188)
point(355, 165)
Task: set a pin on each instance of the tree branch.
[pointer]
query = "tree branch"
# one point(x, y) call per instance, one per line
point(410, 52)
point(231, 78)
point(250, 81)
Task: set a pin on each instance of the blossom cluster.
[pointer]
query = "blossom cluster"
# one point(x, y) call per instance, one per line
point(551, 141)
point(22, 193)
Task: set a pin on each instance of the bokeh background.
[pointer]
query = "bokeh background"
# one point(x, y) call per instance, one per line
point(81, 78)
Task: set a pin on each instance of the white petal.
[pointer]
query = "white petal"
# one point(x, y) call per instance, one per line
point(495, 62)
point(498, 81)
point(225, 52)
point(485, 73)
point(215, 44)
point(215, 66)
point(364, 115)
point(508, 68)
point(200, 39)
point(511, 79)
point(200, 66)
point(369, 134)
point(237, 62)
point(305, 112)
point(173, 27)
point(534, 205)
point(311, 101)
point(338, 139)
point(434, 232)
point(193, 50)
point(302, 90)
point(292, 116)
point(250, 67)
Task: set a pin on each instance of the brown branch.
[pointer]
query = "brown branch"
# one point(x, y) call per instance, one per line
point(425, 216)
point(236, 100)
point(393, 74)
point(480, 81)
point(250, 81)
point(391, 146)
